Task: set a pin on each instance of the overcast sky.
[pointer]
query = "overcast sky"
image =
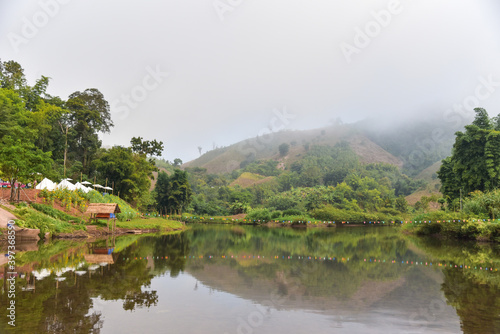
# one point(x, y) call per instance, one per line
point(197, 72)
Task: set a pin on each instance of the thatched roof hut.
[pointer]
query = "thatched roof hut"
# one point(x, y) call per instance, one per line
point(107, 208)
point(99, 258)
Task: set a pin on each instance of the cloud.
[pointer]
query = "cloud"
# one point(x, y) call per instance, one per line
point(227, 76)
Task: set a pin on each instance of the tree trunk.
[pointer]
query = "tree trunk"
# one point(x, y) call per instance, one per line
point(84, 162)
point(65, 151)
point(12, 190)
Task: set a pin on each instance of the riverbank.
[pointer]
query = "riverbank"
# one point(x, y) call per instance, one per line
point(134, 226)
point(481, 230)
point(79, 231)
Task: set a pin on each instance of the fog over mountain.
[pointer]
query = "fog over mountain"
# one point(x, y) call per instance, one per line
point(214, 72)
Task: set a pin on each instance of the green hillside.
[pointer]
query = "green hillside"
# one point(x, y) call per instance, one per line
point(228, 159)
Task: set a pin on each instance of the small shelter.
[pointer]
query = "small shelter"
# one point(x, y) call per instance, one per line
point(103, 211)
point(46, 184)
point(80, 186)
point(65, 184)
point(99, 258)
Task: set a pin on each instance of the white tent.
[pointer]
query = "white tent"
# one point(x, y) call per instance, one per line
point(65, 184)
point(46, 184)
point(81, 187)
point(41, 274)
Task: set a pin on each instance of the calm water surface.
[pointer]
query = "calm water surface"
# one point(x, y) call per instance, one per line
point(239, 279)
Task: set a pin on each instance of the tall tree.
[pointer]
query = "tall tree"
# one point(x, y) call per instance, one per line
point(173, 192)
point(475, 158)
point(130, 172)
point(20, 160)
point(89, 116)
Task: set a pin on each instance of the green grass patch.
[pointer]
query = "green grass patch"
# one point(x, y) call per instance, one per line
point(54, 213)
point(31, 218)
point(151, 223)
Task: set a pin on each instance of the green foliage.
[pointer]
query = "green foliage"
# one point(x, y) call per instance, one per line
point(173, 193)
point(331, 213)
point(276, 214)
point(284, 149)
point(146, 147)
point(30, 218)
point(67, 198)
point(474, 163)
point(89, 115)
point(131, 173)
point(401, 204)
point(485, 205)
point(259, 214)
point(54, 213)
point(20, 159)
point(292, 212)
point(263, 167)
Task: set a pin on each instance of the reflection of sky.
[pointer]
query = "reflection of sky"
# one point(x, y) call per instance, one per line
point(187, 306)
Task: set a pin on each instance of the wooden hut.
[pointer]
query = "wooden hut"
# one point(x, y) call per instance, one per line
point(103, 211)
point(99, 258)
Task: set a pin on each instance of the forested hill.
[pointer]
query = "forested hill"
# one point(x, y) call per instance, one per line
point(410, 145)
point(227, 159)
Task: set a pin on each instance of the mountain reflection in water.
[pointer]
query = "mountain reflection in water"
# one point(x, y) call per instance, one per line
point(244, 279)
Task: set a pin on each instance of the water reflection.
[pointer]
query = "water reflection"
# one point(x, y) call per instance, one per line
point(257, 280)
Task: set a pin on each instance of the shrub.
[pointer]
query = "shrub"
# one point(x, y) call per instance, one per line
point(292, 212)
point(259, 214)
point(55, 213)
point(276, 214)
point(31, 218)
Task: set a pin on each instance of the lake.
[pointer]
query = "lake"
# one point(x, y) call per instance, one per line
point(248, 279)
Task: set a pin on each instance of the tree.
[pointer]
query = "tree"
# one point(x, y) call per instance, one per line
point(177, 162)
point(474, 163)
point(89, 116)
point(181, 193)
point(130, 172)
point(284, 149)
point(146, 147)
point(162, 190)
point(401, 204)
point(482, 119)
point(12, 75)
point(20, 159)
point(173, 193)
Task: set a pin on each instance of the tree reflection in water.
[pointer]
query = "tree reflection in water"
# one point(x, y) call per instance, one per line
point(253, 263)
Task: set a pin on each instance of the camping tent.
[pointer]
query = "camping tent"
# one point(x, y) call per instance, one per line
point(81, 187)
point(46, 184)
point(65, 184)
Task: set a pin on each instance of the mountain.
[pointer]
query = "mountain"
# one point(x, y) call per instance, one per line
point(410, 144)
point(227, 159)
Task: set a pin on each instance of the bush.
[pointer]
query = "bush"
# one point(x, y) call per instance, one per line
point(259, 214)
point(55, 213)
point(276, 214)
point(330, 213)
point(292, 212)
point(31, 218)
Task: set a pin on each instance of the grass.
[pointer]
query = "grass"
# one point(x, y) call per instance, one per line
point(151, 223)
point(31, 218)
point(54, 213)
point(247, 179)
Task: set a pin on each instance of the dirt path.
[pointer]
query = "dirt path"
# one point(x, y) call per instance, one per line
point(5, 216)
